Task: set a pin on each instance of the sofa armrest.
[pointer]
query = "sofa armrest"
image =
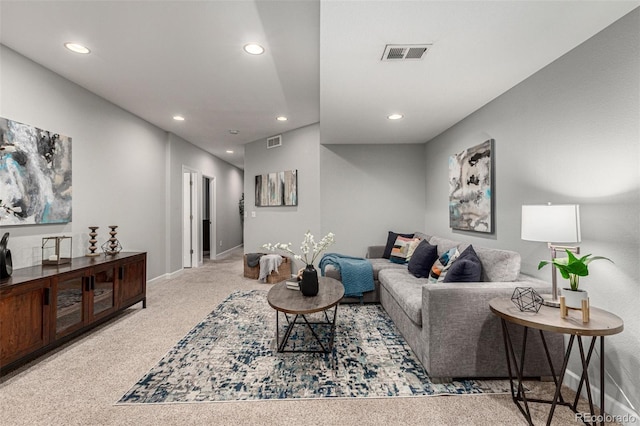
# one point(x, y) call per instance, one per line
point(375, 252)
point(456, 319)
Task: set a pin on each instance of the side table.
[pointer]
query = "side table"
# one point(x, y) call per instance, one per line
point(601, 324)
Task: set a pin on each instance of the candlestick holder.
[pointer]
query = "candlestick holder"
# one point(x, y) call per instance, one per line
point(92, 242)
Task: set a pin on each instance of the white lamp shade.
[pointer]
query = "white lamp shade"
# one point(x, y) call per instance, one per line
point(551, 223)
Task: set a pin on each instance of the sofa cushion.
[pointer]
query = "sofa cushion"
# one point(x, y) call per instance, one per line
point(499, 265)
point(391, 240)
point(423, 258)
point(403, 249)
point(406, 290)
point(466, 268)
point(381, 264)
point(444, 245)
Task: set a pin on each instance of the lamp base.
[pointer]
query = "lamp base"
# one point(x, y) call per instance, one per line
point(547, 300)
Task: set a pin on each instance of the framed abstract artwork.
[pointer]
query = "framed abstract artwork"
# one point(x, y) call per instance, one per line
point(471, 189)
point(277, 189)
point(35, 172)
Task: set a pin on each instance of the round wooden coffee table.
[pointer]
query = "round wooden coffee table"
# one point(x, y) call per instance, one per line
point(293, 302)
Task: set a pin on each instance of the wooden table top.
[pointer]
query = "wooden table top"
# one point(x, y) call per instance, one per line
point(282, 299)
point(601, 322)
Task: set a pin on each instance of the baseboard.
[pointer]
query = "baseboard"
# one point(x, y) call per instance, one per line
point(166, 276)
point(224, 253)
point(615, 410)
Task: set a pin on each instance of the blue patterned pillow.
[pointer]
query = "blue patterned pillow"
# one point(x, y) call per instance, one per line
point(440, 267)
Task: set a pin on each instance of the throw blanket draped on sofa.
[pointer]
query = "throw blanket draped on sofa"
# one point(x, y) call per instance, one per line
point(356, 272)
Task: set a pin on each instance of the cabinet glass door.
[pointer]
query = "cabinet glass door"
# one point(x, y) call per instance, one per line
point(103, 291)
point(69, 296)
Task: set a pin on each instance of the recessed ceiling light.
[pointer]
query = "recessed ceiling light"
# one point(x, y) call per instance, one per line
point(234, 131)
point(395, 116)
point(229, 151)
point(178, 118)
point(77, 48)
point(281, 118)
point(254, 49)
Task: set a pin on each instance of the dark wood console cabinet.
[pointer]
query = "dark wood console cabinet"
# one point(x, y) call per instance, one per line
point(42, 307)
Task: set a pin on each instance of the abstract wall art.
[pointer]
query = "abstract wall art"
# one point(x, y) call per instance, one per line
point(470, 189)
point(277, 189)
point(35, 175)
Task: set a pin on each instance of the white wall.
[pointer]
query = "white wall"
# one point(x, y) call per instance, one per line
point(568, 134)
point(368, 190)
point(299, 150)
point(122, 169)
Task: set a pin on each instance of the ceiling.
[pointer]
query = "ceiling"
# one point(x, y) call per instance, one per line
point(322, 61)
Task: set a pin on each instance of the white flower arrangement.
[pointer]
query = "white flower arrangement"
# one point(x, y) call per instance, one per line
point(310, 248)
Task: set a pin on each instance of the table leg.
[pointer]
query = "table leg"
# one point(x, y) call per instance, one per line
point(511, 357)
point(560, 379)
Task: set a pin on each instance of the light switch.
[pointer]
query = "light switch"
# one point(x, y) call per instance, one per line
point(253, 214)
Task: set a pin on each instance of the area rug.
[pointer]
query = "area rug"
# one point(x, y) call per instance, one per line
point(231, 356)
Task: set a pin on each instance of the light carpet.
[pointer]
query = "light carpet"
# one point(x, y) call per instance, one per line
point(231, 356)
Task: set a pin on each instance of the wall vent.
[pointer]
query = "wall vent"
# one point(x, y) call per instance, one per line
point(405, 52)
point(274, 141)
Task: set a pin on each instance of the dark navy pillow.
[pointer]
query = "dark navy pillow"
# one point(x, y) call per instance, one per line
point(466, 268)
point(423, 258)
point(391, 240)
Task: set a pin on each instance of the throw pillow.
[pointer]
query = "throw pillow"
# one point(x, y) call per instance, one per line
point(423, 258)
point(403, 249)
point(467, 268)
point(391, 240)
point(440, 267)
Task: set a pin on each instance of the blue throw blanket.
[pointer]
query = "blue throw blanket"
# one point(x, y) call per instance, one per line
point(356, 272)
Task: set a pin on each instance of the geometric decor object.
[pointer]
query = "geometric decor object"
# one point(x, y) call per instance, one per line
point(112, 245)
point(526, 299)
point(35, 171)
point(54, 250)
point(231, 355)
point(277, 189)
point(470, 189)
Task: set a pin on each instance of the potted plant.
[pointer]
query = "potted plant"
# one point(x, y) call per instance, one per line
point(310, 251)
point(572, 268)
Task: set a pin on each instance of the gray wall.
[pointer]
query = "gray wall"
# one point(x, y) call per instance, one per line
point(122, 169)
point(229, 187)
point(368, 190)
point(299, 150)
point(568, 134)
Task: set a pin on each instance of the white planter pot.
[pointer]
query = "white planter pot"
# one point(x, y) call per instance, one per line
point(573, 299)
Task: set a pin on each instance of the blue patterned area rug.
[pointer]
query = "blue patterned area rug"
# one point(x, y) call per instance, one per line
point(231, 355)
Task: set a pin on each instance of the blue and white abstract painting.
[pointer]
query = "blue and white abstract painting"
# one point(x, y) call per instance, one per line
point(35, 175)
point(470, 189)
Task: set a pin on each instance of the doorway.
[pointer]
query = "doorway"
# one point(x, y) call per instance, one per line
point(189, 222)
point(209, 250)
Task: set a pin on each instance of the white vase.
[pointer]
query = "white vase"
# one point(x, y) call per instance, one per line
point(574, 298)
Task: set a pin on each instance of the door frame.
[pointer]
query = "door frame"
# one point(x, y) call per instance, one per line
point(190, 215)
point(213, 242)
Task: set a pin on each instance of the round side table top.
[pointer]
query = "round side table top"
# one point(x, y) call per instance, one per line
point(282, 299)
point(601, 322)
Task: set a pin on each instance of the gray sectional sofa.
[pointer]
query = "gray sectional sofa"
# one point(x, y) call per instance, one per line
point(449, 326)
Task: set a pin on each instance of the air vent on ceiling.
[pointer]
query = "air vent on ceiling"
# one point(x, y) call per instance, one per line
point(274, 141)
point(405, 52)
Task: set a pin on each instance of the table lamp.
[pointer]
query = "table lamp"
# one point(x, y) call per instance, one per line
point(552, 224)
